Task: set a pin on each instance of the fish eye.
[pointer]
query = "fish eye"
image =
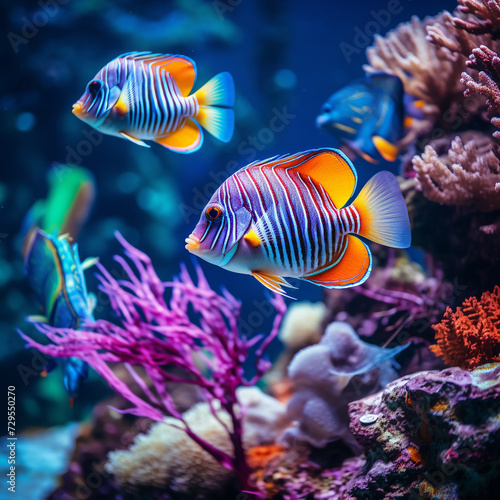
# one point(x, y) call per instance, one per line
point(327, 108)
point(94, 86)
point(213, 213)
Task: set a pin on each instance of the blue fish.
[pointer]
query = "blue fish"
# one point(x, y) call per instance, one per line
point(369, 115)
point(55, 274)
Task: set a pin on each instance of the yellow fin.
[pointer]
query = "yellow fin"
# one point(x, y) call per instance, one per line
point(387, 150)
point(353, 269)
point(89, 262)
point(273, 283)
point(252, 238)
point(419, 104)
point(188, 139)
point(134, 139)
point(121, 105)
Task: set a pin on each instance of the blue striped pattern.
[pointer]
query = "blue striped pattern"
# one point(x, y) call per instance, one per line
point(156, 106)
point(301, 229)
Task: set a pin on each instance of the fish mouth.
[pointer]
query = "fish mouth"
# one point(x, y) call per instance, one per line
point(192, 243)
point(77, 108)
point(321, 120)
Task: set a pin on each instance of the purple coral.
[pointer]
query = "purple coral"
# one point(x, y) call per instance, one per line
point(196, 333)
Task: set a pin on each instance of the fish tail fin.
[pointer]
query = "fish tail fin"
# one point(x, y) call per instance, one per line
point(219, 91)
point(215, 99)
point(383, 213)
point(217, 121)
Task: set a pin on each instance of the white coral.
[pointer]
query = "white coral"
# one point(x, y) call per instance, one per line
point(168, 457)
point(302, 325)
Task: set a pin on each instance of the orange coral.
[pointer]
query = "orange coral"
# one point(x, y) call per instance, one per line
point(470, 336)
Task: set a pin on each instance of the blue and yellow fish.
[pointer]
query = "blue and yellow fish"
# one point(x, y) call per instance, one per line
point(288, 217)
point(142, 96)
point(55, 273)
point(369, 116)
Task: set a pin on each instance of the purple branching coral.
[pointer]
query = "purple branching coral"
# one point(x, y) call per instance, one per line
point(487, 62)
point(195, 332)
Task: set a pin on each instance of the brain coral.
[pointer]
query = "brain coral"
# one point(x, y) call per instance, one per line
point(166, 456)
point(470, 336)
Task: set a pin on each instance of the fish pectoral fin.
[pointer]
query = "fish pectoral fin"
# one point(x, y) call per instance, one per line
point(91, 302)
point(353, 269)
point(186, 140)
point(273, 283)
point(252, 238)
point(37, 318)
point(121, 105)
point(387, 150)
point(89, 262)
point(133, 139)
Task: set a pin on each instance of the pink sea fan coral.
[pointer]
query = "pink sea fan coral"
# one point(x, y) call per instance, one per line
point(195, 332)
point(465, 176)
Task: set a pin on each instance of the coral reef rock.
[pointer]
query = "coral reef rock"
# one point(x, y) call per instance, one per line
point(470, 336)
point(326, 376)
point(430, 435)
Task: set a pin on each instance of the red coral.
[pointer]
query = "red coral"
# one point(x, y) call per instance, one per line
point(470, 336)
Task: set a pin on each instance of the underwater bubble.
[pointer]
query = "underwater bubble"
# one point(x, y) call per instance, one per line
point(285, 79)
point(25, 121)
point(368, 418)
point(128, 182)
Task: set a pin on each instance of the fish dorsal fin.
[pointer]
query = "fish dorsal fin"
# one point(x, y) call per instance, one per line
point(134, 139)
point(273, 283)
point(182, 68)
point(329, 167)
point(187, 139)
point(353, 268)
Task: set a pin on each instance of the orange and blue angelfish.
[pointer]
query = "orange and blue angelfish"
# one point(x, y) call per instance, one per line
point(369, 116)
point(56, 275)
point(142, 96)
point(289, 216)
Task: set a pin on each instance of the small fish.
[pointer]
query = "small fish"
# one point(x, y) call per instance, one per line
point(67, 206)
point(55, 274)
point(369, 116)
point(142, 96)
point(288, 217)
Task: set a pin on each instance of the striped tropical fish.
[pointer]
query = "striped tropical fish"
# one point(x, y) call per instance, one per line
point(142, 96)
point(287, 217)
